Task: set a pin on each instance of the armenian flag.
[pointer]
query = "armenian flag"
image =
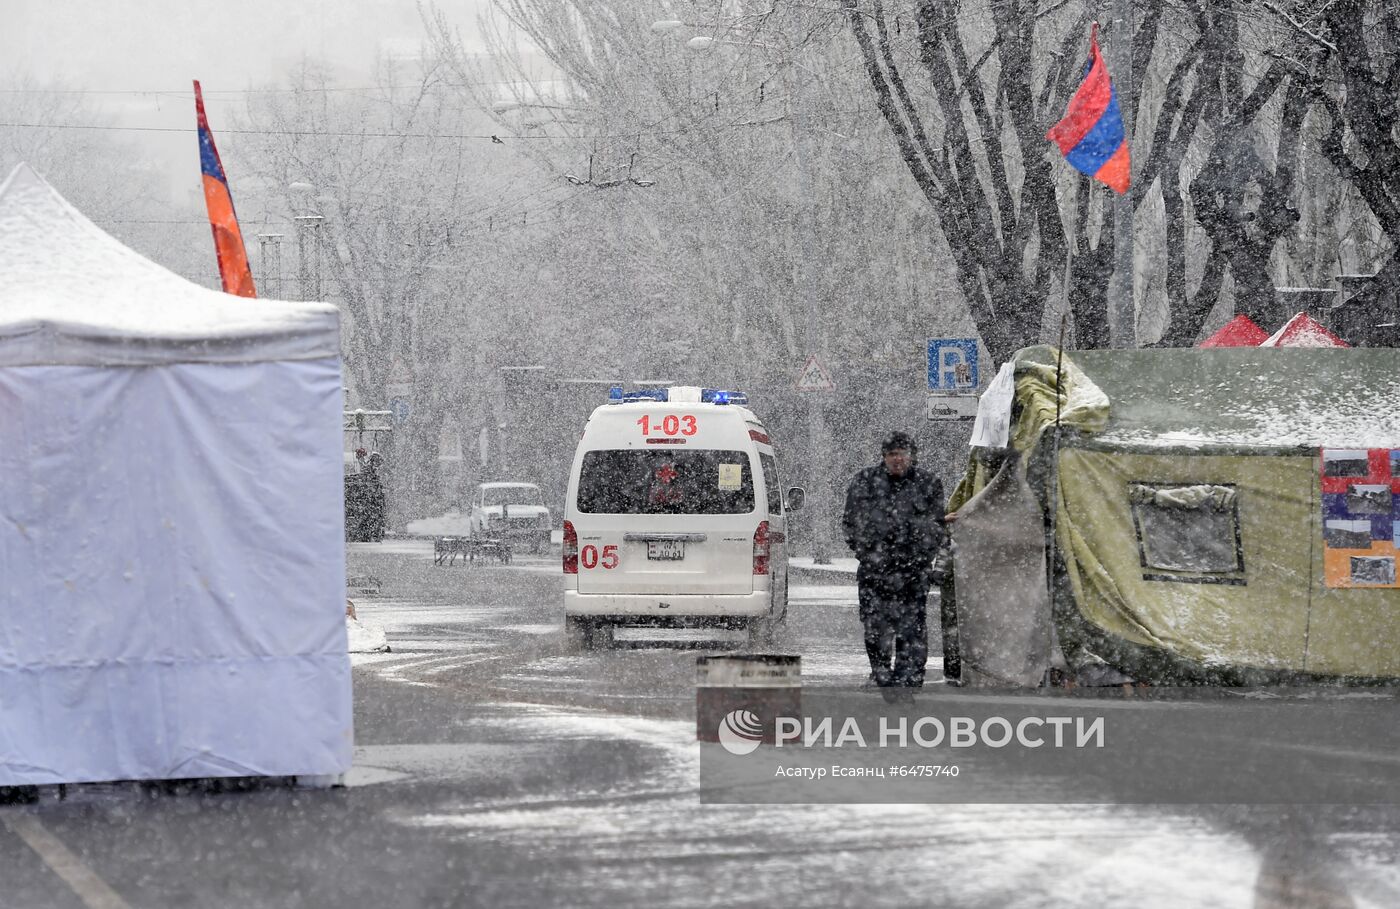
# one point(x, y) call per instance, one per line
point(228, 239)
point(1091, 135)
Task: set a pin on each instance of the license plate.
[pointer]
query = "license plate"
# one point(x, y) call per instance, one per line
point(666, 549)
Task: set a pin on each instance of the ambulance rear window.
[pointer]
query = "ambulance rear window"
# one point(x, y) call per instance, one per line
point(647, 481)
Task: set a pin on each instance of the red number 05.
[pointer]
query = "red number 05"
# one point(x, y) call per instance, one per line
point(588, 556)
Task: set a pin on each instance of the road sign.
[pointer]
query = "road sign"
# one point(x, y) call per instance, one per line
point(814, 377)
point(952, 365)
point(952, 407)
point(401, 409)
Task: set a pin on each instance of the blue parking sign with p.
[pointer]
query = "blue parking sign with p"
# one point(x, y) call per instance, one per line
point(952, 365)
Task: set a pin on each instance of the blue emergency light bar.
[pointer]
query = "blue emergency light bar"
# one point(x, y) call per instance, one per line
point(721, 396)
point(707, 395)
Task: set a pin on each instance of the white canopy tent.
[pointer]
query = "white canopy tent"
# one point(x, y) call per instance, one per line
point(171, 517)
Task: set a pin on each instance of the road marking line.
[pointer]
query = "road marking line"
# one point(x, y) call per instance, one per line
point(90, 888)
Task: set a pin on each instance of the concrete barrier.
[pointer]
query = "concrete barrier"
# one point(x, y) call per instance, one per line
point(763, 686)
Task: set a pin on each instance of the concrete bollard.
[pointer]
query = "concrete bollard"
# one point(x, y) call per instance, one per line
point(745, 691)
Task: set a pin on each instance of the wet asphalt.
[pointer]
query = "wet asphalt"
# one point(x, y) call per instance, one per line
point(495, 768)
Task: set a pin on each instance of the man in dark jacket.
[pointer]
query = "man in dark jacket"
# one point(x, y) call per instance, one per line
point(894, 523)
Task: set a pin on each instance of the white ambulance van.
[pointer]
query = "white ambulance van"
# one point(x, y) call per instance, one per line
point(674, 517)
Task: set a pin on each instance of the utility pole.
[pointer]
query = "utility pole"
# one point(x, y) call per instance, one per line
point(812, 335)
point(1122, 313)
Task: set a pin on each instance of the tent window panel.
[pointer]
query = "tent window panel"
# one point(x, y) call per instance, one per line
point(1193, 529)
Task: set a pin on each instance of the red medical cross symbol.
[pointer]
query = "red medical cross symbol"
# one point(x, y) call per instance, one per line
point(666, 473)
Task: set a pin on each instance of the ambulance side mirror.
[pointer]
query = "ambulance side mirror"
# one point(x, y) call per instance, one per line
point(796, 495)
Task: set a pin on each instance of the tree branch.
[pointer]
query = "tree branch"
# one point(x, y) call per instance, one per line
point(1299, 27)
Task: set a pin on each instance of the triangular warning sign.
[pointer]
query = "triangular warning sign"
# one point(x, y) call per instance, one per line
point(814, 377)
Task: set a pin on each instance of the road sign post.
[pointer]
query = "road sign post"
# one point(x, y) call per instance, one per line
point(813, 377)
point(953, 379)
point(952, 366)
point(952, 407)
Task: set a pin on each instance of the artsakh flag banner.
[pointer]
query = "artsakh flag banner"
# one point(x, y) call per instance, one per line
point(1091, 134)
point(228, 239)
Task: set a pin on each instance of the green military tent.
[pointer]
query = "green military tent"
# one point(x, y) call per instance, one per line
point(1221, 515)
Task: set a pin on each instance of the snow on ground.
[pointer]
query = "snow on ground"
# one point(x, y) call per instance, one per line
point(836, 566)
point(427, 638)
point(980, 855)
point(365, 638)
point(543, 628)
point(418, 548)
point(678, 851)
point(459, 634)
point(823, 596)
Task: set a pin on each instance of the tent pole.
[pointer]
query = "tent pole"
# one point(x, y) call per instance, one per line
point(1053, 485)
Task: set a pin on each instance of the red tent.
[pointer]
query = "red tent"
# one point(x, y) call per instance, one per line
point(1238, 332)
point(1303, 331)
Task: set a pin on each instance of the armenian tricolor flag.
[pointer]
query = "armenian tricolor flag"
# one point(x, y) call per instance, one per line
point(228, 239)
point(1091, 134)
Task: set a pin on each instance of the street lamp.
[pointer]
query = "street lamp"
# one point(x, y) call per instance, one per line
point(308, 228)
point(804, 287)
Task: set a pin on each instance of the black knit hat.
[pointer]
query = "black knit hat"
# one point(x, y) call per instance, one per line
point(897, 441)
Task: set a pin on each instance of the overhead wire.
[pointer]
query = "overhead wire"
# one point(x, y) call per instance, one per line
point(504, 209)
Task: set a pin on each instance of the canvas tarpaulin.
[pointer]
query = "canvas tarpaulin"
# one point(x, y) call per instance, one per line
point(1082, 407)
point(1003, 601)
point(173, 573)
point(171, 519)
point(70, 294)
point(1255, 616)
point(1189, 521)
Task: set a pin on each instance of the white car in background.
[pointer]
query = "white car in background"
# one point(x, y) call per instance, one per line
point(513, 512)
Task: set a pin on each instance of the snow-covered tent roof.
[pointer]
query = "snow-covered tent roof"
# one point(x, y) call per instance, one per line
point(1303, 331)
point(1245, 399)
point(71, 294)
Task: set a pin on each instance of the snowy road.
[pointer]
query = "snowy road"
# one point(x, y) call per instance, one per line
point(493, 768)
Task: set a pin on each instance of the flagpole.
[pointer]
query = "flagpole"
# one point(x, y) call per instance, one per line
point(1122, 319)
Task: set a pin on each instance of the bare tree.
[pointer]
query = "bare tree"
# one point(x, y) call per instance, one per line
point(978, 154)
point(61, 133)
point(395, 185)
point(1349, 65)
point(1225, 94)
point(771, 203)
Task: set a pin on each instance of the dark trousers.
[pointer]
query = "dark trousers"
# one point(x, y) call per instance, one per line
point(896, 630)
point(948, 616)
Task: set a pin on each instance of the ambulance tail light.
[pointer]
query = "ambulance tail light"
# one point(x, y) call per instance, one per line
point(761, 547)
point(570, 548)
